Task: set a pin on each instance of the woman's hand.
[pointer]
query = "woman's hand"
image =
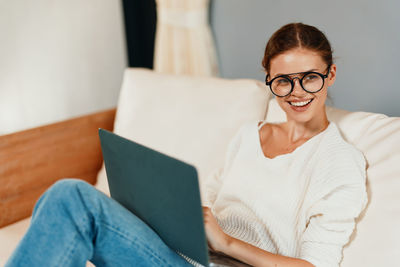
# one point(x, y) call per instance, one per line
point(217, 239)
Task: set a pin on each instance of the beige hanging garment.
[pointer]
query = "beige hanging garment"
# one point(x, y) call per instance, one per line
point(184, 43)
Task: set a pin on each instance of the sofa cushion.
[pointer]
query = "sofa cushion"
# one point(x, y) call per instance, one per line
point(189, 117)
point(10, 237)
point(375, 241)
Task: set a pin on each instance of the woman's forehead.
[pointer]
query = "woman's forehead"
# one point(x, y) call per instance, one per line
point(294, 61)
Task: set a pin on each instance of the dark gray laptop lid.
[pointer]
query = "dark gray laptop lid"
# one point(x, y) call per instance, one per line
point(161, 190)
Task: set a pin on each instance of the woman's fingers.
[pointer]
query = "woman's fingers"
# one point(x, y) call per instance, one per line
point(206, 212)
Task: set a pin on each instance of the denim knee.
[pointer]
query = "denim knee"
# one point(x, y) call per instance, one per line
point(69, 183)
point(64, 191)
point(67, 186)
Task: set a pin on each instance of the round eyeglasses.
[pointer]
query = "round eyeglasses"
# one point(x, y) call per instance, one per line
point(310, 81)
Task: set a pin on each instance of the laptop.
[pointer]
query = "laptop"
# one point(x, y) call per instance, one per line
point(163, 192)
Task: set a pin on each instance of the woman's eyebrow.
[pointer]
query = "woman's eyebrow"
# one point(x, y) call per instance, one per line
point(279, 74)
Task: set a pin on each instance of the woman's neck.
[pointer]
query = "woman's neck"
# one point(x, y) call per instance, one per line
point(304, 130)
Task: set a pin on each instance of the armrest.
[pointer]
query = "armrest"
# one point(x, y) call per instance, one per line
point(32, 160)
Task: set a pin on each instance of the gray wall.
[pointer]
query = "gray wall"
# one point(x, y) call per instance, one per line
point(364, 34)
point(58, 59)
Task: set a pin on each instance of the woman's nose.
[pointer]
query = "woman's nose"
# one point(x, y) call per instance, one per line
point(297, 89)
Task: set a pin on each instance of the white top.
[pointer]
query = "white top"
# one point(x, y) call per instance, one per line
point(302, 204)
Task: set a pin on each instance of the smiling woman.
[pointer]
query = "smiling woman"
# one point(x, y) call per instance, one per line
point(303, 51)
point(299, 69)
point(302, 97)
point(296, 204)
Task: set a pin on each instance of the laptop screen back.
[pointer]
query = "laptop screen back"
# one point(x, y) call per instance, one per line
point(160, 190)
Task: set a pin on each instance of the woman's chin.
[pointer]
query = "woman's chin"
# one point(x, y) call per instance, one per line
point(303, 116)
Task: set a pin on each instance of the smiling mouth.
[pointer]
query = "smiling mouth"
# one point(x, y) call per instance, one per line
point(300, 104)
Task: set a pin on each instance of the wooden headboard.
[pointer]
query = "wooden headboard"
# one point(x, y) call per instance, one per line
point(32, 160)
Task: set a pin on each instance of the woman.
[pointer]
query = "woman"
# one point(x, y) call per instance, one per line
point(287, 195)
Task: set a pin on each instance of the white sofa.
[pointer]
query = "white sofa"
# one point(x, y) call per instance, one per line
point(193, 118)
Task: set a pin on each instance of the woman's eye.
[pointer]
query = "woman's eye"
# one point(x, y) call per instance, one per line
point(282, 81)
point(311, 77)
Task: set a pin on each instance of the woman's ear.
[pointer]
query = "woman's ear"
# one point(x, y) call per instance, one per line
point(332, 75)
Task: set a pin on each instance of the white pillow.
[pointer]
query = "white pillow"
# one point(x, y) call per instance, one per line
point(376, 241)
point(189, 117)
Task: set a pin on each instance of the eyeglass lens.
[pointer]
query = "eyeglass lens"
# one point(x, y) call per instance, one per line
point(311, 82)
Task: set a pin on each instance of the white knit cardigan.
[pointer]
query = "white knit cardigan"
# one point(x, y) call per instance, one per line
point(302, 204)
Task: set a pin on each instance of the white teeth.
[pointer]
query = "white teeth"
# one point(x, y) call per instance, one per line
point(300, 104)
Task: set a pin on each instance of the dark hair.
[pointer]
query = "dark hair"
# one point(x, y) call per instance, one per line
point(297, 35)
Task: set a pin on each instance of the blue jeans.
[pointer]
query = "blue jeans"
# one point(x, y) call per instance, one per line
point(73, 222)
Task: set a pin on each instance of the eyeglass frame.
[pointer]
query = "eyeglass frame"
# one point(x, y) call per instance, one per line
point(286, 76)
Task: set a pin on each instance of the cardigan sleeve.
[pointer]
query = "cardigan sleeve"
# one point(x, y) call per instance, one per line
point(214, 179)
point(339, 197)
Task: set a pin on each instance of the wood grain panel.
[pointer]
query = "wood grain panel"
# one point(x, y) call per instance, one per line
point(32, 160)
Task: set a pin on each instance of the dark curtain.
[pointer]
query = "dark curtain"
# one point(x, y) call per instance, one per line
point(140, 27)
